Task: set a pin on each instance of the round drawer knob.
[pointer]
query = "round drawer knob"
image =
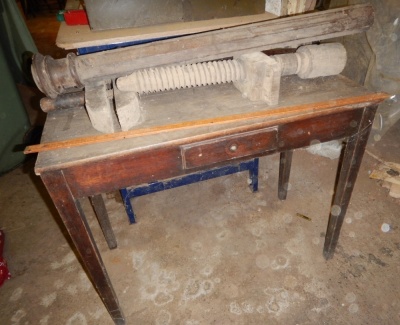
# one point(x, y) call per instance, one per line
point(233, 147)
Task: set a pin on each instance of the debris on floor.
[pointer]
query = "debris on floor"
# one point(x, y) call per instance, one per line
point(303, 216)
point(389, 173)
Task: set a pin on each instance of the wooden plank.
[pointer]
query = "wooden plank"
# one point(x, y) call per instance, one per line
point(54, 77)
point(285, 32)
point(187, 105)
point(352, 101)
point(80, 36)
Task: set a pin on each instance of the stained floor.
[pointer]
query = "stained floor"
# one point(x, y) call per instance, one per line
point(213, 252)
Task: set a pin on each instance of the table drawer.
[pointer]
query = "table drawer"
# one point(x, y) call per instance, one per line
point(226, 148)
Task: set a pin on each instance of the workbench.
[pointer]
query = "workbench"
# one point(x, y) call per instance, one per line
point(226, 128)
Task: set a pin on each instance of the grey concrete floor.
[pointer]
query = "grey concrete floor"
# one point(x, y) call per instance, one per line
point(212, 252)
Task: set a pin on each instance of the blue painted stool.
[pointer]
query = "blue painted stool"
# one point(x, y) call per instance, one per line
point(131, 192)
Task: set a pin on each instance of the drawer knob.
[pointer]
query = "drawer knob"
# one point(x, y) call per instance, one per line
point(233, 147)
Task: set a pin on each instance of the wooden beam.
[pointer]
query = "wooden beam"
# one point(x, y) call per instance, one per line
point(206, 122)
point(54, 77)
point(278, 33)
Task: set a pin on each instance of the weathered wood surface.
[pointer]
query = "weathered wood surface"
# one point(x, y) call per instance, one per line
point(80, 36)
point(221, 149)
point(325, 109)
point(346, 178)
point(76, 224)
point(94, 176)
point(191, 106)
point(100, 210)
point(54, 77)
point(285, 164)
point(284, 32)
point(320, 106)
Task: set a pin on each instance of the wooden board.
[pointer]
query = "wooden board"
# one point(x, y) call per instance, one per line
point(225, 120)
point(211, 103)
point(213, 45)
point(73, 37)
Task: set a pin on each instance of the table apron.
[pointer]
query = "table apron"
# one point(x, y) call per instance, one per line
point(177, 159)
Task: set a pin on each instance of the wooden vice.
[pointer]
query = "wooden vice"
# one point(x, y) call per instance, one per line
point(108, 83)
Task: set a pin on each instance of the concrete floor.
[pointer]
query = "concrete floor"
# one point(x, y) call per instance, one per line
point(212, 252)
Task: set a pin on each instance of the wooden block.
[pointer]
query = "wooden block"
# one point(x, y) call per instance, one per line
point(99, 108)
point(127, 107)
point(263, 76)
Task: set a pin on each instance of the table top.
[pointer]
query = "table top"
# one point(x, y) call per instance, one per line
point(81, 36)
point(298, 99)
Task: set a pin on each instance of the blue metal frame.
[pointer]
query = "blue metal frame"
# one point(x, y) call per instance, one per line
point(131, 192)
point(100, 48)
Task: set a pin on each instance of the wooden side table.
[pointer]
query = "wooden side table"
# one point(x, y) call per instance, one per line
point(312, 110)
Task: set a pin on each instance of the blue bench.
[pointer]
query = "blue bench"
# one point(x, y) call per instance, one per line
point(131, 192)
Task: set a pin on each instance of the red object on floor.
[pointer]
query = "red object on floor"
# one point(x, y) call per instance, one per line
point(4, 273)
point(76, 17)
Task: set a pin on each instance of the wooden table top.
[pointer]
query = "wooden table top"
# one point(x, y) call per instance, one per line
point(298, 99)
point(80, 36)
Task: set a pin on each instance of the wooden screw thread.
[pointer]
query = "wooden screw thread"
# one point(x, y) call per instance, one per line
point(182, 76)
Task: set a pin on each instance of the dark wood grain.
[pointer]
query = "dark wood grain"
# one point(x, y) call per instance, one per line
point(302, 119)
point(347, 175)
point(317, 108)
point(74, 220)
point(227, 148)
point(278, 33)
point(60, 76)
point(285, 164)
point(306, 132)
point(95, 177)
point(104, 221)
point(153, 164)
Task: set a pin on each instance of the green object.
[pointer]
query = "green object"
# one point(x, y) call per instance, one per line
point(13, 119)
point(15, 45)
point(60, 15)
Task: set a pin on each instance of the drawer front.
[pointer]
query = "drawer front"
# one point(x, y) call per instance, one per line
point(303, 133)
point(229, 147)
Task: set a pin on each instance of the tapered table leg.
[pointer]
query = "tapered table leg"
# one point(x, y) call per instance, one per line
point(75, 222)
point(104, 221)
point(347, 175)
point(285, 163)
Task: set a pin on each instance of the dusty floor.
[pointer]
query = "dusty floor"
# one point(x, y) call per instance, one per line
point(213, 252)
point(210, 253)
